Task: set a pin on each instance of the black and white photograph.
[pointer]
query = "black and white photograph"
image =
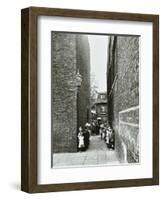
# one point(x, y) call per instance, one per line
point(90, 99)
point(94, 99)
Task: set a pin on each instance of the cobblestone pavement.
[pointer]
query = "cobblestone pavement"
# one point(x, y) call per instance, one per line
point(98, 153)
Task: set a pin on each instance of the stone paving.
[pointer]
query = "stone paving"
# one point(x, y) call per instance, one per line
point(97, 154)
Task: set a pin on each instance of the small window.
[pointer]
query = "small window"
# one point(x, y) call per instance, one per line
point(103, 96)
point(103, 108)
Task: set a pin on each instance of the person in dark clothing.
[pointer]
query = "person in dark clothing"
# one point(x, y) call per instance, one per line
point(97, 129)
point(93, 127)
point(86, 137)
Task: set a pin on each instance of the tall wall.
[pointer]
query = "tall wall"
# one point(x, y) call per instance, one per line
point(83, 64)
point(123, 95)
point(65, 64)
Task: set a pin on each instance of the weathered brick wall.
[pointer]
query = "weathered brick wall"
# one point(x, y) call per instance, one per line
point(124, 97)
point(64, 115)
point(83, 64)
point(65, 50)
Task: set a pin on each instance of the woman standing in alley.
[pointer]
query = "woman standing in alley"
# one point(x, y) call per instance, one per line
point(80, 140)
point(86, 136)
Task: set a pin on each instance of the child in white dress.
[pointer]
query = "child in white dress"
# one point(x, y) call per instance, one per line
point(108, 135)
point(80, 139)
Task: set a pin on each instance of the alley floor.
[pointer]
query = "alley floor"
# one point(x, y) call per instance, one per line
point(96, 154)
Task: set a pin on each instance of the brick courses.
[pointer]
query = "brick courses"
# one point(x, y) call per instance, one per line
point(123, 95)
point(70, 52)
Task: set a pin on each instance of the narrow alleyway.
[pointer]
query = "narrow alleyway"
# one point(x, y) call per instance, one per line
point(97, 154)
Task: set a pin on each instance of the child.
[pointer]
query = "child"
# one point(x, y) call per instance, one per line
point(80, 139)
point(102, 131)
point(108, 136)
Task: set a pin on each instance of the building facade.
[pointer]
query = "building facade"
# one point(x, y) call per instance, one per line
point(123, 95)
point(101, 107)
point(70, 89)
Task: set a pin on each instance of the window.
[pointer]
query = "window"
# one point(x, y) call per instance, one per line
point(103, 96)
point(103, 109)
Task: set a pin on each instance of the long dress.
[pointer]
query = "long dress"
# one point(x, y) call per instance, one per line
point(107, 137)
point(81, 140)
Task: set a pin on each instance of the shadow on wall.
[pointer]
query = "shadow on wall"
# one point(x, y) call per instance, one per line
point(123, 95)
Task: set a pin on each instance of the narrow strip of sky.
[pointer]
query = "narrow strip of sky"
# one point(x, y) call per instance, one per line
point(98, 54)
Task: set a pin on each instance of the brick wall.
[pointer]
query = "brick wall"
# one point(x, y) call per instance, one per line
point(123, 95)
point(83, 64)
point(66, 48)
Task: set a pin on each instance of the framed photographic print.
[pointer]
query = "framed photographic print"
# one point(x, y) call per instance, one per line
point(90, 99)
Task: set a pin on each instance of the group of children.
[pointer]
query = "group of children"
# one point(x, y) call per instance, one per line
point(83, 138)
point(107, 135)
point(105, 132)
